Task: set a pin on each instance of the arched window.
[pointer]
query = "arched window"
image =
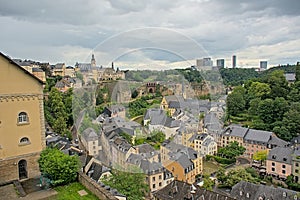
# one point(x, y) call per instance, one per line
point(24, 140)
point(23, 117)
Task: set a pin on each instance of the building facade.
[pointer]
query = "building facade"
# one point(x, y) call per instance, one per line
point(22, 126)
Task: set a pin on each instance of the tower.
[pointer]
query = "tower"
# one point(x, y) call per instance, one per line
point(234, 61)
point(93, 61)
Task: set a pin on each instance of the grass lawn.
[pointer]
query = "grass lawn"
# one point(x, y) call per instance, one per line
point(70, 192)
point(209, 167)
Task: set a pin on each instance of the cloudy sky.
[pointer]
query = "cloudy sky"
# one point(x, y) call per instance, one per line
point(153, 34)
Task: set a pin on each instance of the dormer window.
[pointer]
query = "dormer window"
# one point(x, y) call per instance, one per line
point(284, 159)
point(248, 195)
point(273, 156)
point(23, 118)
point(241, 193)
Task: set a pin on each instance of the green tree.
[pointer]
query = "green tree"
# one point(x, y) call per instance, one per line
point(208, 183)
point(297, 72)
point(231, 151)
point(132, 185)
point(294, 94)
point(260, 155)
point(291, 120)
point(58, 167)
point(221, 176)
point(259, 90)
point(278, 84)
point(236, 175)
point(236, 101)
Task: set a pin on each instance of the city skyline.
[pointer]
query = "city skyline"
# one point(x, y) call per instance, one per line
point(155, 34)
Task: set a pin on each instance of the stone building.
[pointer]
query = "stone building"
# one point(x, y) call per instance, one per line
point(22, 128)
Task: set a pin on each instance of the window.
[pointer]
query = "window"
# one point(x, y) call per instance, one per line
point(283, 171)
point(153, 178)
point(24, 140)
point(23, 117)
point(273, 169)
point(153, 186)
point(159, 177)
point(273, 164)
point(284, 159)
point(159, 184)
point(283, 166)
point(296, 171)
point(273, 157)
point(297, 164)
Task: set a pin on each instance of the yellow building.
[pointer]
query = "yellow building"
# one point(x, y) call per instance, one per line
point(22, 129)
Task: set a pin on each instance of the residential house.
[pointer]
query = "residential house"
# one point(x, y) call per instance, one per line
point(154, 171)
point(59, 69)
point(183, 135)
point(38, 72)
point(117, 110)
point(258, 140)
point(120, 151)
point(148, 152)
point(253, 140)
point(250, 191)
point(183, 162)
point(89, 139)
point(171, 103)
point(156, 119)
point(203, 143)
point(65, 83)
point(70, 71)
point(22, 135)
point(212, 125)
point(96, 170)
point(233, 133)
point(120, 125)
point(279, 162)
point(182, 190)
point(296, 165)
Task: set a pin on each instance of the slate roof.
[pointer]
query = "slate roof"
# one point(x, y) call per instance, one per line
point(145, 148)
point(236, 131)
point(240, 190)
point(276, 141)
point(89, 134)
point(157, 116)
point(181, 190)
point(281, 154)
point(59, 66)
point(182, 159)
point(258, 135)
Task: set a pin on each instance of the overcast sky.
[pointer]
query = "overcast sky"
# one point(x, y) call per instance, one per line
point(151, 34)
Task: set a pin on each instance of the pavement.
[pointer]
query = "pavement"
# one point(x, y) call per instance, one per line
point(8, 192)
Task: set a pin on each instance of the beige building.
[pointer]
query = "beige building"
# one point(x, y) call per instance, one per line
point(204, 144)
point(22, 129)
point(89, 139)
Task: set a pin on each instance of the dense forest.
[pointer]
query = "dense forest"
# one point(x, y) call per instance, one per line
point(269, 103)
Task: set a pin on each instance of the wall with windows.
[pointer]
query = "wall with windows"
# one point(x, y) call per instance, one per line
point(22, 128)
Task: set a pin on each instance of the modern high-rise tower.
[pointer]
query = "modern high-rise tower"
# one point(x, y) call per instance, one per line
point(263, 65)
point(221, 63)
point(234, 61)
